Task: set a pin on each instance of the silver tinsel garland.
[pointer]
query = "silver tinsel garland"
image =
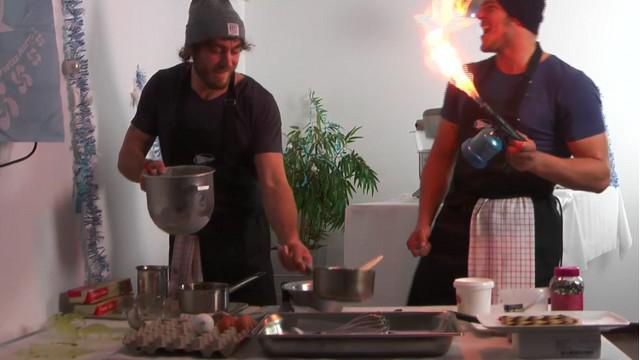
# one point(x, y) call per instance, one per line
point(84, 143)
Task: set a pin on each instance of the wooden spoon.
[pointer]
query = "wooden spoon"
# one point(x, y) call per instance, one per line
point(371, 263)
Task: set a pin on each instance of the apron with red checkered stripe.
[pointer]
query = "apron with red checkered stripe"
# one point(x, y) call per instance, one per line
point(502, 243)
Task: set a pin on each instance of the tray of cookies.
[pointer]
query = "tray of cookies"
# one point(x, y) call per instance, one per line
point(552, 320)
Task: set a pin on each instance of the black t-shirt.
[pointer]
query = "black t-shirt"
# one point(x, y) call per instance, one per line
point(236, 241)
point(159, 103)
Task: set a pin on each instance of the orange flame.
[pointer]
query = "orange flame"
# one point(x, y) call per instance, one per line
point(438, 48)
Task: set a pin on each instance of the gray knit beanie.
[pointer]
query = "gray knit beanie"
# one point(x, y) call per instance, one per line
point(210, 19)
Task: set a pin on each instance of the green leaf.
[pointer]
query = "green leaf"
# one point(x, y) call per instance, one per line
point(324, 173)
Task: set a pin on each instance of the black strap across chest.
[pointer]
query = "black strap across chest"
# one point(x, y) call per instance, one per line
point(525, 84)
point(527, 80)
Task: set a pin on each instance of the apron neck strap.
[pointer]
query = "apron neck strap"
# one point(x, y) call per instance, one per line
point(532, 65)
point(230, 99)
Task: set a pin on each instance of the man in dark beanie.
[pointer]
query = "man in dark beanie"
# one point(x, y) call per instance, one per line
point(527, 12)
point(499, 219)
point(204, 109)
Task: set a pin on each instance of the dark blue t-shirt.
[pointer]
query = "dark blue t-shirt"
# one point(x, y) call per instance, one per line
point(562, 104)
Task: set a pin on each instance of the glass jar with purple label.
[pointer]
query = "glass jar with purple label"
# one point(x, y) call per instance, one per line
point(567, 289)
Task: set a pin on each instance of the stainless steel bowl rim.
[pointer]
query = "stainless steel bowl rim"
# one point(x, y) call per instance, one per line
point(198, 170)
point(302, 285)
point(152, 267)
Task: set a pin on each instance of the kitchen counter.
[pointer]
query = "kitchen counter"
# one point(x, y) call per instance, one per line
point(473, 345)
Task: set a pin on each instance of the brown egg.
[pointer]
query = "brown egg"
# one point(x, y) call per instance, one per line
point(245, 322)
point(225, 322)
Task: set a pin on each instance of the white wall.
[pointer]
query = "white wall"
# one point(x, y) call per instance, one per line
point(39, 232)
point(364, 58)
point(608, 55)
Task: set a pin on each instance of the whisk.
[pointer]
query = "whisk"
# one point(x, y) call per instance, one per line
point(367, 323)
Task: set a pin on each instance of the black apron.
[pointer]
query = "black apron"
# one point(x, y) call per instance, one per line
point(236, 242)
point(434, 276)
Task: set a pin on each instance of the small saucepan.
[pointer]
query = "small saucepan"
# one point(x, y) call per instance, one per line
point(209, 297)
point(345, 284)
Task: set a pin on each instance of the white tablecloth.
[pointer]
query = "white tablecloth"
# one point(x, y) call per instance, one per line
point(593, 225)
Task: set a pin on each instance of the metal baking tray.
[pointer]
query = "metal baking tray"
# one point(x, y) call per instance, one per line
point(409, 334)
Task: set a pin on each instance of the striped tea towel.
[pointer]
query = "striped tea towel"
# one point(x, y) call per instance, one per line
point(185, 266)
point(502, 243)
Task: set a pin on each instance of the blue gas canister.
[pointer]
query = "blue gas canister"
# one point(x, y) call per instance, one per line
point(481, 148)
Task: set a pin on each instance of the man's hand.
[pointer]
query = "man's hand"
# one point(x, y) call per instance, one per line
point(418, 242)
point(151, 167)
point(294, 256)
point(522, 155)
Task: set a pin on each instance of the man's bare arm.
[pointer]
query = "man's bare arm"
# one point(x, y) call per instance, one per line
point(587, 170)
point(133, 151)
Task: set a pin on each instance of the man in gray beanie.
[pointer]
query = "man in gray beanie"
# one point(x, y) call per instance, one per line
point(203, 108)
point(210, 19)
point(501, 221)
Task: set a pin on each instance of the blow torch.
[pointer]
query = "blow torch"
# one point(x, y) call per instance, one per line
point(481, 148)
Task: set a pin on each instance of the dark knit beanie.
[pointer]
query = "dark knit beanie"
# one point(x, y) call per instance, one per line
point(210, 19)
point(528, 12)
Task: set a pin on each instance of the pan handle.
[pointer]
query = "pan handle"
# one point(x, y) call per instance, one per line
point(245, 281)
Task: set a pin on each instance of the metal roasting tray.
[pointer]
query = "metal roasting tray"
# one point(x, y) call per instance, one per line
point(410, 334)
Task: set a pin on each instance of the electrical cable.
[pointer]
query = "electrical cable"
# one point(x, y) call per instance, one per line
point(35, 145)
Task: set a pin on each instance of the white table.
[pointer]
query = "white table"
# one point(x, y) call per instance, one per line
point(593, 225)
point(383, 228)
point(470, 346)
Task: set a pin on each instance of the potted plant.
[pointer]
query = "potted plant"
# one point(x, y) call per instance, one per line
point(324, 173)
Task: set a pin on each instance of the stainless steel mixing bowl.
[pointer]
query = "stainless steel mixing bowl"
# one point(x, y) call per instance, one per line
point(301, 293)
point(180, 201)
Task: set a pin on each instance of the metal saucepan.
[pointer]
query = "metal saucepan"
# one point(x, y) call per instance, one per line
point(301, 293)
point(345, 284)
point(180, 201)
point(209, 297)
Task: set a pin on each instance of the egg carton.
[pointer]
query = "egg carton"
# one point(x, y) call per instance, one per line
point(174, 335)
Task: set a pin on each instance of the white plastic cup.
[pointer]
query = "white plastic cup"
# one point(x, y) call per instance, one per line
point(473, 295)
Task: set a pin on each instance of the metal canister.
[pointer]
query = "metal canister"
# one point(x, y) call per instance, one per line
point(153, 279)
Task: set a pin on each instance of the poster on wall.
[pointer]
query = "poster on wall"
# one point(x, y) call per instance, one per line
point(30, 103)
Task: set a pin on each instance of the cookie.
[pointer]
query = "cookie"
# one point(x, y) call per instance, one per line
point(539, 320)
